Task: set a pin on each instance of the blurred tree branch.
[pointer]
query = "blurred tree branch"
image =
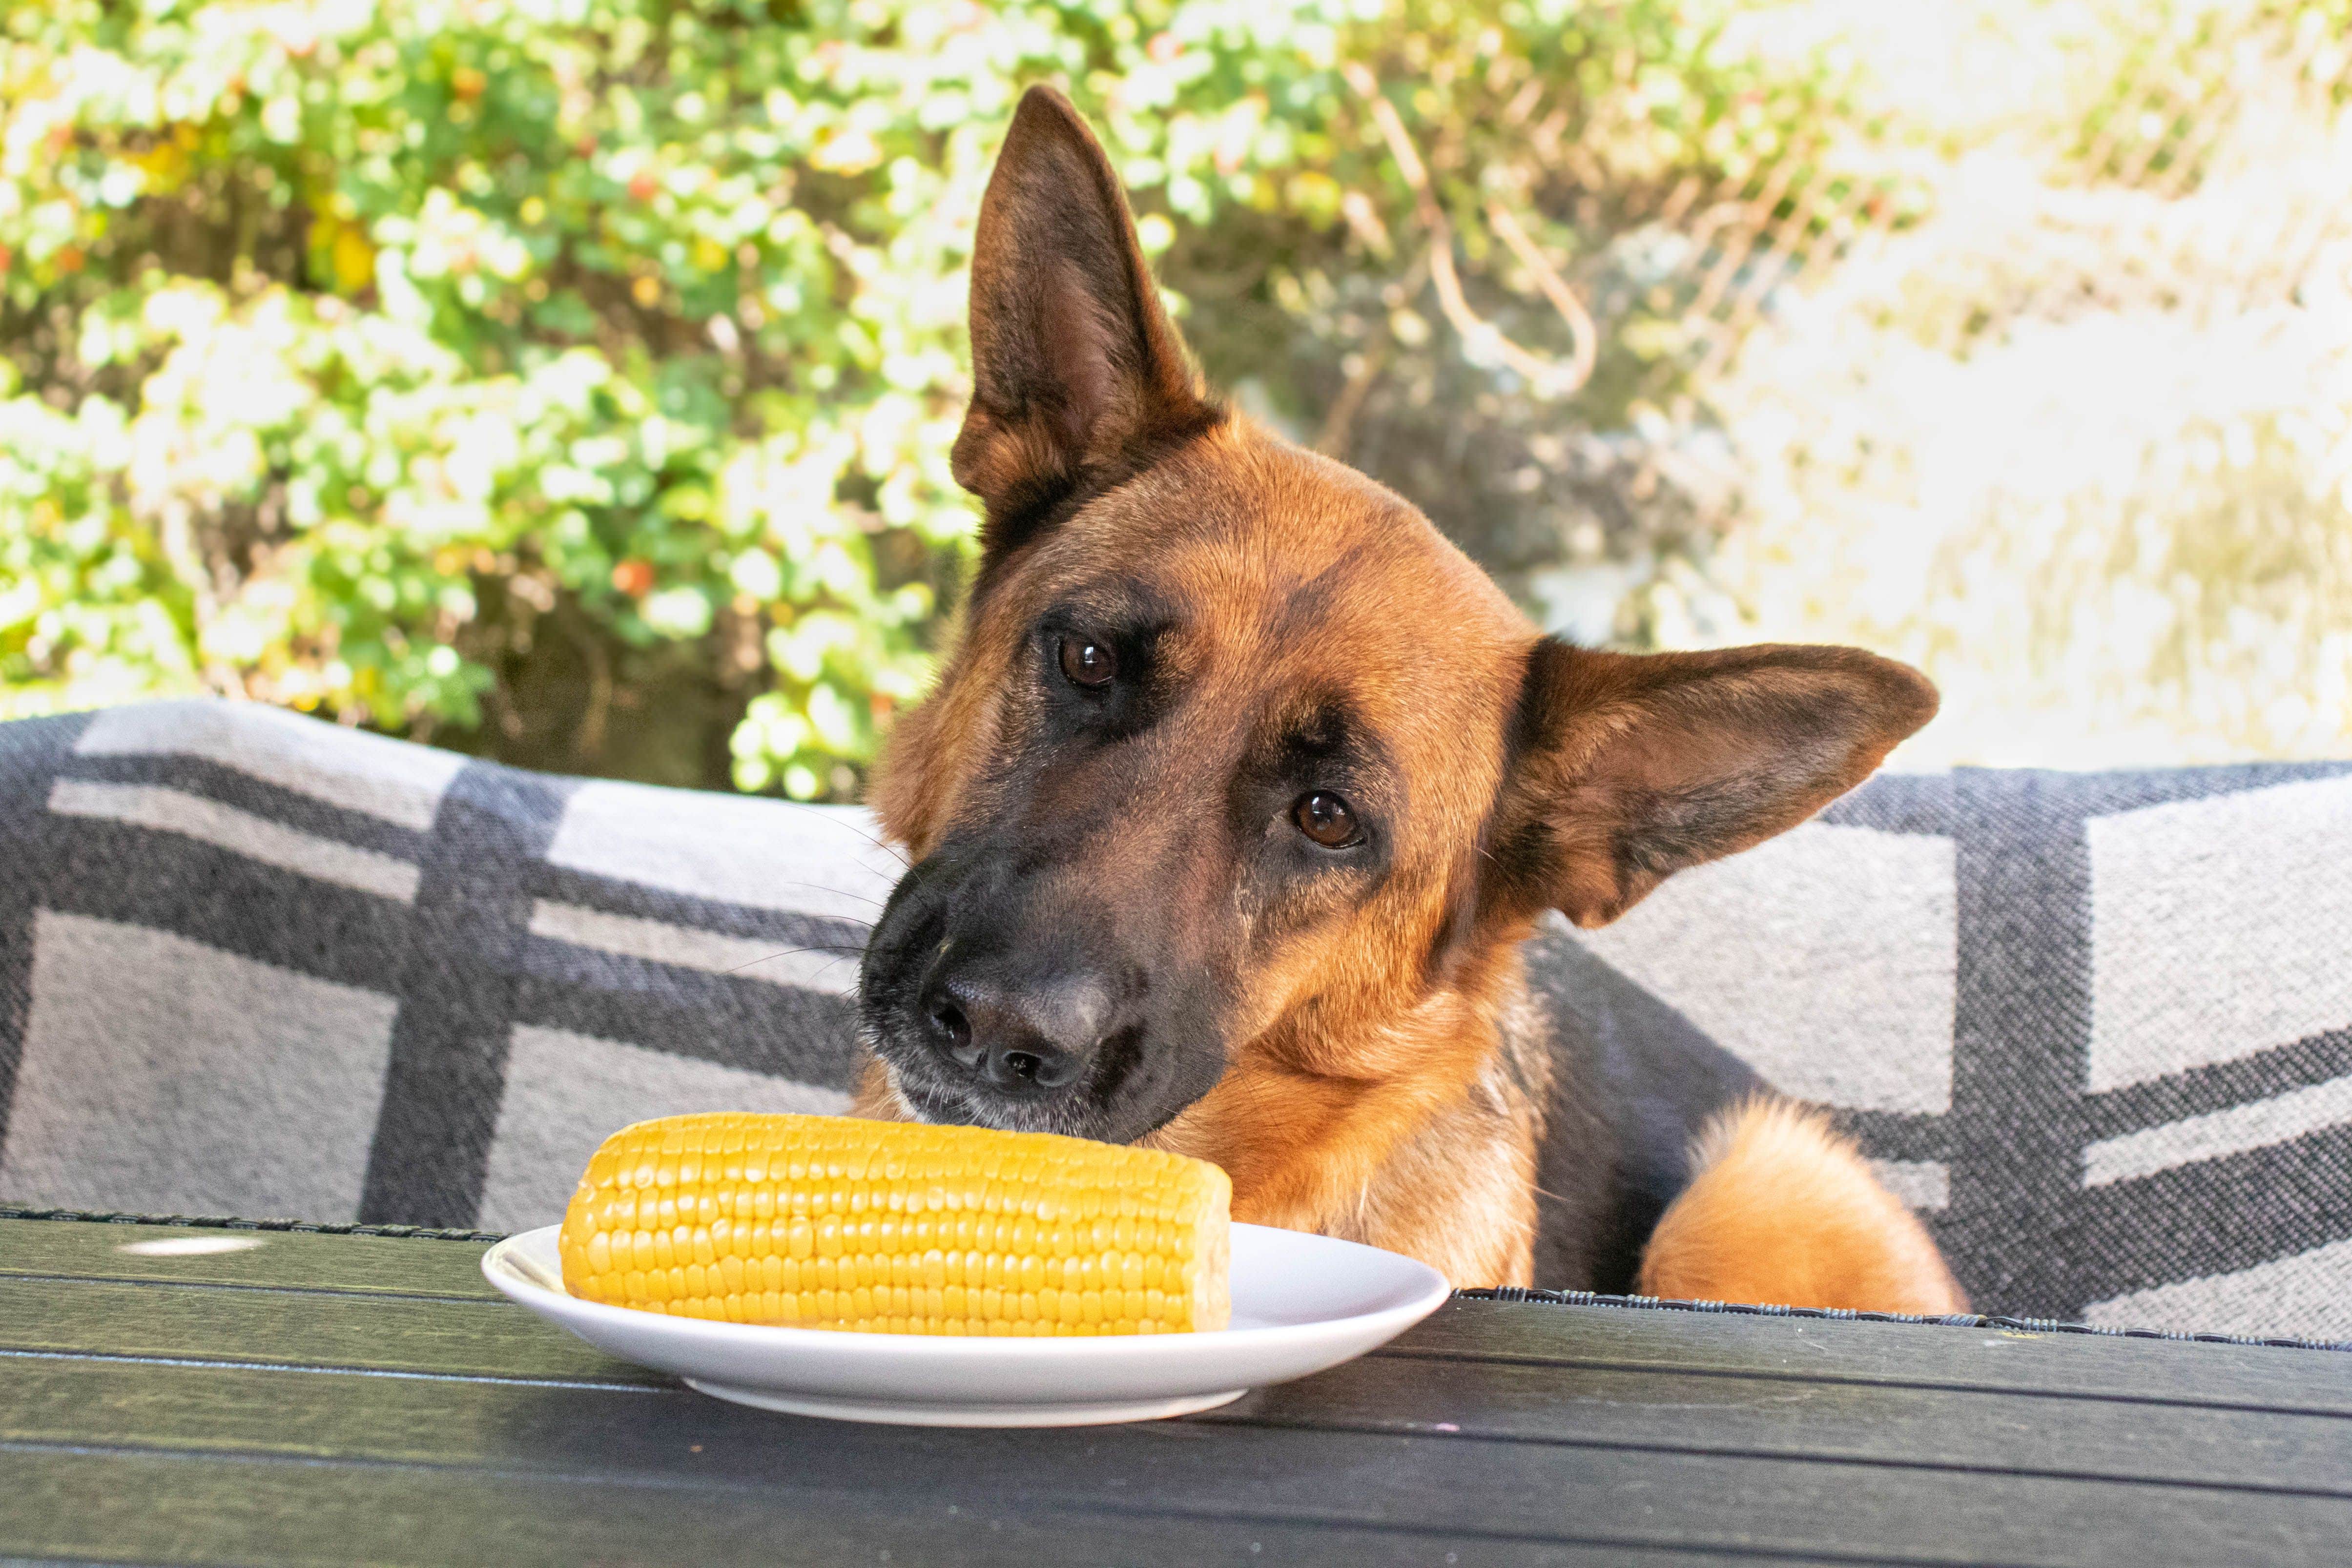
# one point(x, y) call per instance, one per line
point(1550, 377)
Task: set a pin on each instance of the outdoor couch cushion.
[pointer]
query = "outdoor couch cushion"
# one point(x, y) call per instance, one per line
point(2097, 1028)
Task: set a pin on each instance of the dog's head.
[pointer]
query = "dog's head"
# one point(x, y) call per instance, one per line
point(1240, 772)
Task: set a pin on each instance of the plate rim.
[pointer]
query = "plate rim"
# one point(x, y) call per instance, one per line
point(1430, 1292)
point(969, 1414)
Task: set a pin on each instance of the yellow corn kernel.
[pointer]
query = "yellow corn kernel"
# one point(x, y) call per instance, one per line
point(899, 1227)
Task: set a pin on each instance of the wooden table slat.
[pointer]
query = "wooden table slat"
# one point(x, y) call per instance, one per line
point(1443, 1485)
point(304, 1259)
point(1881, 1424)
point(1889, 1424)
point(82, 1507)
point(2043, 1363)
point(461, 1339)
point(487, 1339)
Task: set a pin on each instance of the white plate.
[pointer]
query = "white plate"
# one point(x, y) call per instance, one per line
point(1301, 1303)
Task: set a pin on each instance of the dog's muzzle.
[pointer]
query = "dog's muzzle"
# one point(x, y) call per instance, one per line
point(1004, 1006)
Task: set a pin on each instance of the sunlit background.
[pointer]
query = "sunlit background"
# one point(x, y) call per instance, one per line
point(571, 380)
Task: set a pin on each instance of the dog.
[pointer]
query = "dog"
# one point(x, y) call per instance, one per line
point(1242, 786)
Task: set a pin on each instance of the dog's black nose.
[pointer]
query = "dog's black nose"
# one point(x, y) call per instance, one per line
point(1017, 1037)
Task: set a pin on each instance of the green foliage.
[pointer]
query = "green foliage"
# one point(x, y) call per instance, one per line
point(535, 374)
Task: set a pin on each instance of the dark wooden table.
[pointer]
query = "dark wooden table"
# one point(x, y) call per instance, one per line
point(349, 1398)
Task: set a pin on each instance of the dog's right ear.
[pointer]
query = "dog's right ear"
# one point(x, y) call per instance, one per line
point(1077, 373)
point(1629, 767)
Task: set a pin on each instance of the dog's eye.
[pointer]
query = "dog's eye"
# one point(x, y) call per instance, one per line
point(1327, 819)
point(1088, 663)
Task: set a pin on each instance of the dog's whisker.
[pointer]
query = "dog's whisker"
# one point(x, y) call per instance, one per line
point(882, 844)
point(836, 955)
point(837, 892)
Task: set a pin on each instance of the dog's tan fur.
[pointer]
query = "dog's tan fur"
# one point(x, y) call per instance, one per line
point(1784, 1209)
point(1385, 1079)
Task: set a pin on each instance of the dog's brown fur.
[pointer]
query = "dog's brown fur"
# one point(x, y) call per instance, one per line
point(1382, 1079)
point(1784, 1209)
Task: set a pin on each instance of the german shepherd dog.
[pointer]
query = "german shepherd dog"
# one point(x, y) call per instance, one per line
point(1243, 786)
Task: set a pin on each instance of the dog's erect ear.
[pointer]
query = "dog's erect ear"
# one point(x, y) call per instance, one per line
point(1627, 768)
point(1077, 373)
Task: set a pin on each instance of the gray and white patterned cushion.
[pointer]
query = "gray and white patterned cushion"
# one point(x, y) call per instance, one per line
point(2097, 1027)
point(253, 963)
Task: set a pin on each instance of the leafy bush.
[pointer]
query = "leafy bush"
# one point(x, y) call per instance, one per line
point(572, 380)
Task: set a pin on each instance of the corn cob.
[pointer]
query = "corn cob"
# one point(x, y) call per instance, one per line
point(897, 1228)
